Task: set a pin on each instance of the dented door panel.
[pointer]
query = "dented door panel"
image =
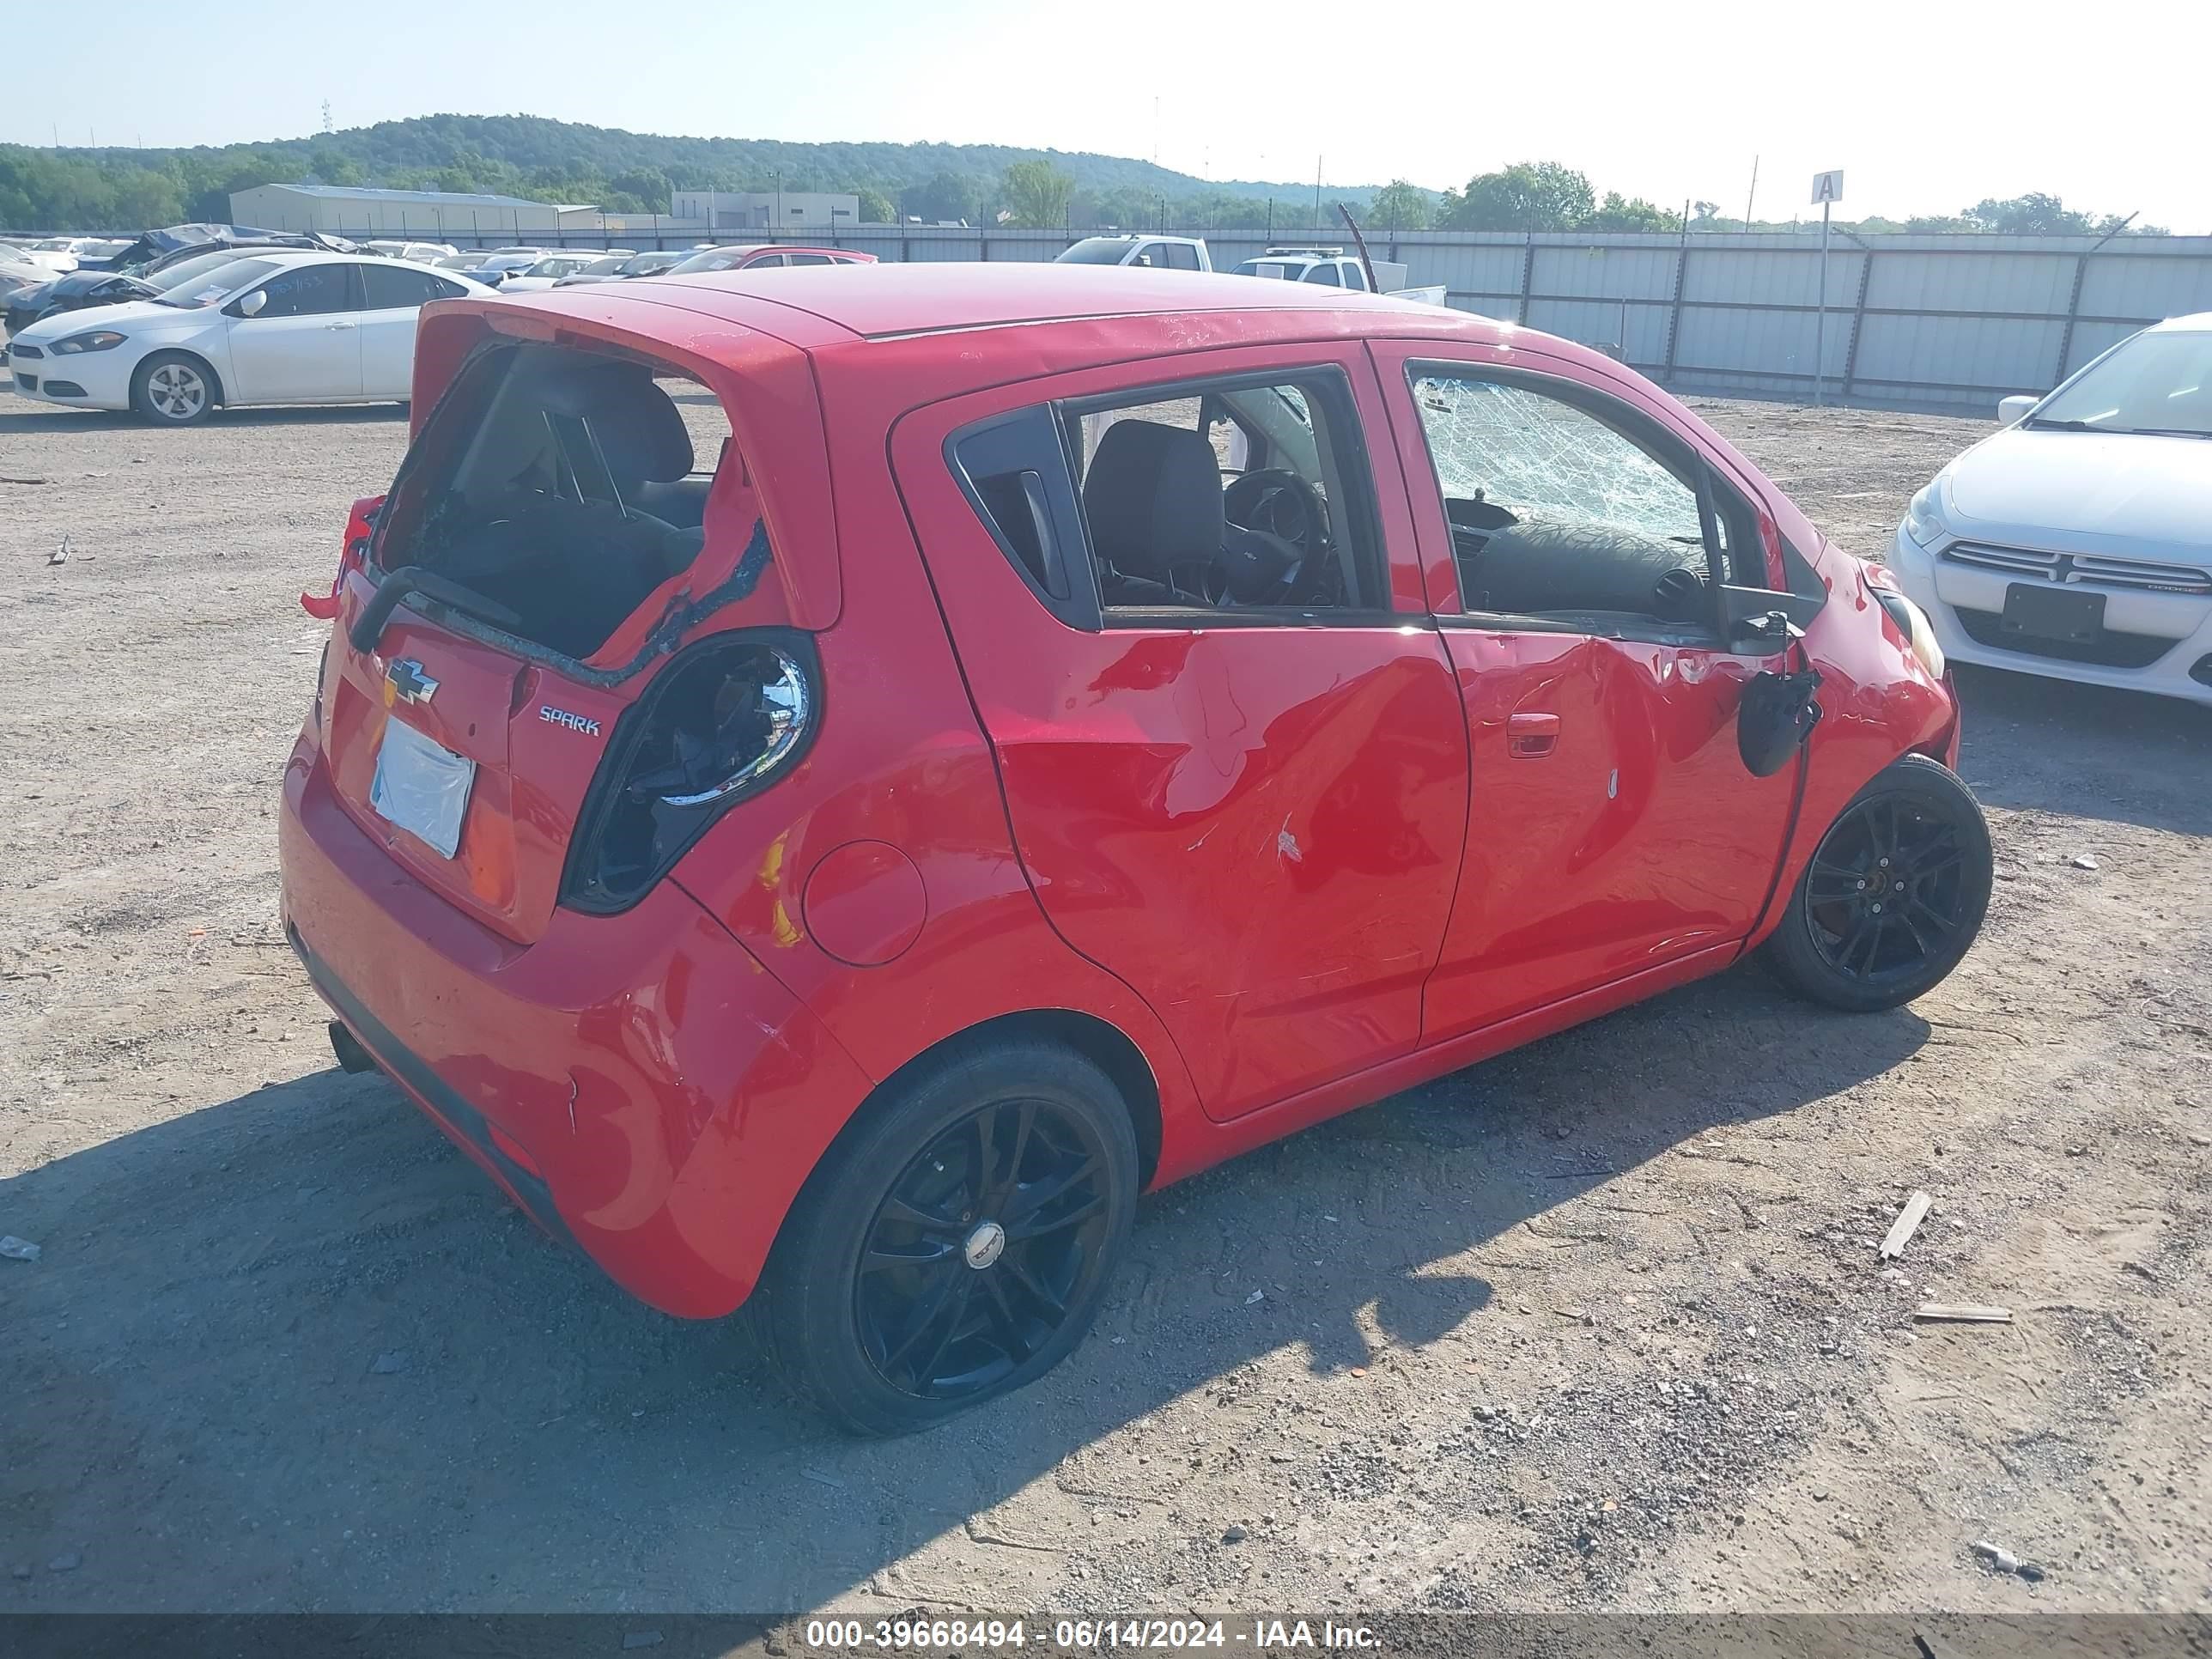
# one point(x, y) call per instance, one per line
point(1635, 836)
point(1258, 829)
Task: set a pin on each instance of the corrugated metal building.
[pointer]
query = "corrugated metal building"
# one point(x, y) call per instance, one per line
point(440, 215)
point(763, 210)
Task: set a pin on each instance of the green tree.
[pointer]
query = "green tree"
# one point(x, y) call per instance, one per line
point(2036, 214)
point(1616, 213)
point(641, 190)
point(876, 208)
point(1527, 196)
point(944, 196)
point(145, 200)
point(1401, 206)
point(1035, 194)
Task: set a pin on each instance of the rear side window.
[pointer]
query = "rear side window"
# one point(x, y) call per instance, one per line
point(1181, 257)
point(391, 288)
point(1014, 472)
point(810, 258)
point(1325, 274)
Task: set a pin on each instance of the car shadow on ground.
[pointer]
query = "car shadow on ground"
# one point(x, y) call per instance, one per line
point(292, 1350)
point(2038, 744)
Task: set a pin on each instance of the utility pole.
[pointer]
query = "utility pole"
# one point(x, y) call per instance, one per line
point(1753, 195)
point(1316, 218)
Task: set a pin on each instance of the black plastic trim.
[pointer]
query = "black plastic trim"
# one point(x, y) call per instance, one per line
point(416, 1073)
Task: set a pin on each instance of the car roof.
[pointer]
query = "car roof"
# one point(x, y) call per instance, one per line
point(940, 296)
point(2195, 323)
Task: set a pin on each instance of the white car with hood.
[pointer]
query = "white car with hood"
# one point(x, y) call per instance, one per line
point(2078, 542)
point(269, 328)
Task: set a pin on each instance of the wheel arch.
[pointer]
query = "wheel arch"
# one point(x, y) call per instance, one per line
point(1104, 1044)
point(1098, 1041)
point(205, 363)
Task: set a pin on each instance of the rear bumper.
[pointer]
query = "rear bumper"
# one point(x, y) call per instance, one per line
point(638, 1083)
point(2158, 642)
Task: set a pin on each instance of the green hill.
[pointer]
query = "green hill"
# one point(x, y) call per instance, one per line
point(530, 156)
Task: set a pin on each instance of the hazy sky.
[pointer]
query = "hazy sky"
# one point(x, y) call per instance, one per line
point(1928, 105)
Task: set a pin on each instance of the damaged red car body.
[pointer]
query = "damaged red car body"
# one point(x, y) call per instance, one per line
point(1082, 725)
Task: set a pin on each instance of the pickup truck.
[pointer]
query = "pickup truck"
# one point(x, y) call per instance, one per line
point(1160, 253)
point(1331, 267)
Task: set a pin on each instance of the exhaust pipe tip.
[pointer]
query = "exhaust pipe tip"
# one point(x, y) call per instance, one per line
point(351, 1056)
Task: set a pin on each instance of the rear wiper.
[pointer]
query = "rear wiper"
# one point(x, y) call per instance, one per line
point(368, 626)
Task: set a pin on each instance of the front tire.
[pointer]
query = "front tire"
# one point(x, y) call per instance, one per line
point(174, 388)
point(959, 1245)
point(1894, 895)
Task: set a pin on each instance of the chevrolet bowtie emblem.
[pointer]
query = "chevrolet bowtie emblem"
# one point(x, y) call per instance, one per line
point(405, 682)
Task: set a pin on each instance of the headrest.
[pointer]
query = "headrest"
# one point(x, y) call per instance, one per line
point(1153, 498)
point(640, 429)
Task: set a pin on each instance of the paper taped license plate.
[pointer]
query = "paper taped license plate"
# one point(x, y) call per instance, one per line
point(421, 787)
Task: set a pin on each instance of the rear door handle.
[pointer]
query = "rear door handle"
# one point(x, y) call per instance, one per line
point(334, 326)
point(1531, 736)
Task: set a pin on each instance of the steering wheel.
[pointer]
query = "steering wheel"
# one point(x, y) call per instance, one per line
point(1278, 502)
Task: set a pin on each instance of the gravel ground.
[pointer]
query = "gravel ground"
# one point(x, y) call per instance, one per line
point(1598, 1324)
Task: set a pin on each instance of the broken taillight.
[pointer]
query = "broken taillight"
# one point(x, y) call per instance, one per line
point(723, 721)
point(360, 524)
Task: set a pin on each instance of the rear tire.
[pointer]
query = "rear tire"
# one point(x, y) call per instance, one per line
point(1893, 895)
point(957, 1244)
point(174, 388)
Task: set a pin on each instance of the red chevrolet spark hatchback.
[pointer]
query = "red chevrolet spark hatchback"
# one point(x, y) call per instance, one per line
point(1082, 724)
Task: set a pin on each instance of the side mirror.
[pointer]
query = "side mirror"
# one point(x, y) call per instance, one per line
point(251, 304)
point(2014, 409)
point(1776, 716)
point(1763, 622)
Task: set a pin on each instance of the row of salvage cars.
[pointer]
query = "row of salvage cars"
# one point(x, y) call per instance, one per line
point(1081, 725)
point(200, 316)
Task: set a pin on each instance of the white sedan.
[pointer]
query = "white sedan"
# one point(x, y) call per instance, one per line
point(544, 273)
point(275, 328)
point(2078, 542)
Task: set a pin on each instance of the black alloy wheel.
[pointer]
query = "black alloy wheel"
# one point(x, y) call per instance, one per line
point(1894, 895)
point(958, 1239)
point(988, 1238)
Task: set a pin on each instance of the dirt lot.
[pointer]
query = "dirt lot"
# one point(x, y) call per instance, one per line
point(1601, 1323)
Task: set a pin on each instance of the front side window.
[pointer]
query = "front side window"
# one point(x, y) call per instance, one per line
point(810, 258)
point(1324, 273)
point(311, 291)
point(1565, 506)
point(1181, 257)
point(213, 287)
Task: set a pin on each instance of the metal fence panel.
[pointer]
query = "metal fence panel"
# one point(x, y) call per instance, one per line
point(2143, 284)
point(1928, 322)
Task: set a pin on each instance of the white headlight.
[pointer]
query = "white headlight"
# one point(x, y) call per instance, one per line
point(1922, 521)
